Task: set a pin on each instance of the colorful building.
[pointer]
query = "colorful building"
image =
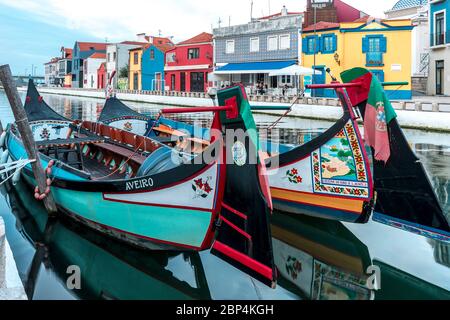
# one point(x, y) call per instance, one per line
point(248, 53)
point(90, 68)
point(147, 67)
point(117, 58)
point(52, 72)
point(189, 63)
point(81, 51)
point(382, 46)
point(102, 77)
point(439, 72)
point(417, 11)
point(336, 11)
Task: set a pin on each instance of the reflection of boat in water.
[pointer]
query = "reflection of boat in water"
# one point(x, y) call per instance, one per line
point(109, 269)
point(320, 259)
point(397, 284)
point(323, 260)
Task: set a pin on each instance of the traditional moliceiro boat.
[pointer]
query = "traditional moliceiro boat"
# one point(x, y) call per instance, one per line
point(340, 175)
point(138, 190)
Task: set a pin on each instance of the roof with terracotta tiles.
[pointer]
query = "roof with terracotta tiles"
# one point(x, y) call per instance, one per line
point(201, 38)
point(98, 55)
point(87, 46)
point(322, 25)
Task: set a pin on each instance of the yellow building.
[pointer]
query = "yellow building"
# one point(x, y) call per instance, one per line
point(382, 46)
point(135, 69)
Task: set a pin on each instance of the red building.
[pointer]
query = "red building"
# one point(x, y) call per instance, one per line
point(335, 11)
point(101, 76)
point(189, 63)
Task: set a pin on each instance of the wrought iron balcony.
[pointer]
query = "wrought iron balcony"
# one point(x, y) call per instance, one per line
point(374, 59)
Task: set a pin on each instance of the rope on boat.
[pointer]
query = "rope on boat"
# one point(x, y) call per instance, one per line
point(15, 166)
point(273, 125)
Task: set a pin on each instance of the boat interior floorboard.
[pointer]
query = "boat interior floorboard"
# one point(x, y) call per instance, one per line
point(98, 170)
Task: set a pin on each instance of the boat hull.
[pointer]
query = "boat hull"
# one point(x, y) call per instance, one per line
point(174, 216)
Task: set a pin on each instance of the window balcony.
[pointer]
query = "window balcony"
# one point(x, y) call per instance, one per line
point(374, 59)
point(440, 39)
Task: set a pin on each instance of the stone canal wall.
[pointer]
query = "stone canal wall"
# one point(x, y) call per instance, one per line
point(11, 287)
point(433, 115)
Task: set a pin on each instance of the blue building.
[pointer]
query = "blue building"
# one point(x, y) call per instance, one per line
point(439, 77)
point(152, 64)
point(82, 51)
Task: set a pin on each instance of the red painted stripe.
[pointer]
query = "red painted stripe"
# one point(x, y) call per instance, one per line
point(239, 214)
point(256, 266)
point(235, 227)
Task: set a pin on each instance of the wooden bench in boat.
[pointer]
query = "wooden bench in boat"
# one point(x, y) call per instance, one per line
point(124, 152)
point(68, 142)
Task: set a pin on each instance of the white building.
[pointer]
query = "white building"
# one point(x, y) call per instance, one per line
point(52, 73)
point(117, 58)
point(90, 68)
point(417, 11)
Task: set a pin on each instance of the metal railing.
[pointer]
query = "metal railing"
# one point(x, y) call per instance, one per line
point(374, 59)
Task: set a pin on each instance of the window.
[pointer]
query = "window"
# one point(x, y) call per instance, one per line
point(152, 54)
point(114, 56)
point(229, 47)
point(286, 80)
point(379, 74)
point(254, 44)
point(193, 53)
point(310, 45)
point(109, 57)
point(329, 43)
point(272, 43)
point(439, 28)
point(285, 42)
point(171, 57)
point(374, 46)
point(136, 58)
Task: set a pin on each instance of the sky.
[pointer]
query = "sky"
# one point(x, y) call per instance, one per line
point(32, 32)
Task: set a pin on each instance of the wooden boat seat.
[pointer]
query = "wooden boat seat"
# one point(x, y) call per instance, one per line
point(68, 142)
point(124, 152)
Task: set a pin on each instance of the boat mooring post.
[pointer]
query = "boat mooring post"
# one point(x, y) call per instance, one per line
point(25, 132)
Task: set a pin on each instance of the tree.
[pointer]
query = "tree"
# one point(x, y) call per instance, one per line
point(123, 72)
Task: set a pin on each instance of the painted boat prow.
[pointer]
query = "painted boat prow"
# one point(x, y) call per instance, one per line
point(403, 188)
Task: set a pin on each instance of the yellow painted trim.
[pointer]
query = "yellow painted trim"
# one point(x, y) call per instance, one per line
point(351, 205)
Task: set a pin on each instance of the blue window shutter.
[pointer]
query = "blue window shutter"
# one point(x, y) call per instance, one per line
point(321, 44)
point(383, 44)
point(305, 45)
point(318, 44)
point(334, 43)
point(365, 44)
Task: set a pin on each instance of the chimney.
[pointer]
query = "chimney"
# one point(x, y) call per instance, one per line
point(284, 11)
point(141, 37)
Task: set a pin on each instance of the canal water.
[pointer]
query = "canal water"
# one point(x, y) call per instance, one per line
point(316, 259)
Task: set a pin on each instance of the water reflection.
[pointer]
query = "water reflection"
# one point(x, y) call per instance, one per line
point(316, 259)
point(109, 269)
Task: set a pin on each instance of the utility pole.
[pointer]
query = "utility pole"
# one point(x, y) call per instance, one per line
point(315, 47)
point(24, 129)
point(251, 10)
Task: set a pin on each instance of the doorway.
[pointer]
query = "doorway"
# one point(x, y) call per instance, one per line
point(183, 81)
point(319, 79)
point(197, 82)
point(440, 77)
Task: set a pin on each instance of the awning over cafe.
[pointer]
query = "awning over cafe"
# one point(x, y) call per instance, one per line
point(254, 67)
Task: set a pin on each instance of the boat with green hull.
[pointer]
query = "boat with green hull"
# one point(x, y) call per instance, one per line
point(138, 190)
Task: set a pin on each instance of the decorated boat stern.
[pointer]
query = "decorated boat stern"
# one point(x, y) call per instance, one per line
point(244, 235)
point(402, 186)
point(330, 176)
